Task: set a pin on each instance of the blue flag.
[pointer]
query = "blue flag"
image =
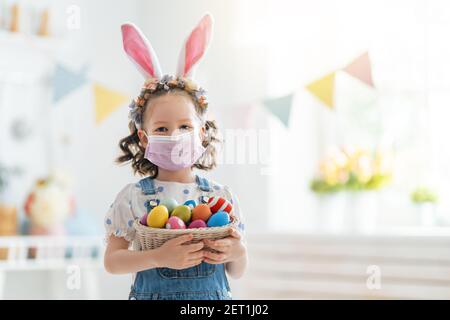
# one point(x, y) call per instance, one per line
point(65, 81)
point(280, 107)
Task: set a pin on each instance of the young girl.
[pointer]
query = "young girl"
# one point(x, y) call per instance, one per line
point(169, 137)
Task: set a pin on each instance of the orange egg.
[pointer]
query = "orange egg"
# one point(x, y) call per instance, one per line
point(202, 212)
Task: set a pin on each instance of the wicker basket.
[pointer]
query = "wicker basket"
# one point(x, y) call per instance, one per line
point(151, 238)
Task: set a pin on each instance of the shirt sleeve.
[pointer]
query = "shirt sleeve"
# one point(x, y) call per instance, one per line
point(120, 217)
point(237, 211)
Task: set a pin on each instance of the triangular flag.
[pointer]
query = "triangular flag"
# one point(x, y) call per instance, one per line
point(323, 89)
point(361, 69)
point(280, 107)
point(65, 81)
point(106, 101)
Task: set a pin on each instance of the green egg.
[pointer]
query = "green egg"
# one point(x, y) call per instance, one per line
point(169, 203)
point(183, 212)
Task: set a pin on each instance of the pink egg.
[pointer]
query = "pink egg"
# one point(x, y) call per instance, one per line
point(175, 223)
point(197, 224)
point(143, 220)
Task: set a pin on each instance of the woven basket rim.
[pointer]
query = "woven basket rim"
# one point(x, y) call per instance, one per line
point(147, 229)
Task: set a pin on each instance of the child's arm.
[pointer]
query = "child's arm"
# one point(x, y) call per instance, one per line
point(173, 254)
point(236, 268)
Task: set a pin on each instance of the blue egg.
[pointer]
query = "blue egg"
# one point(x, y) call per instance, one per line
point(191, 204)
point(219, 219)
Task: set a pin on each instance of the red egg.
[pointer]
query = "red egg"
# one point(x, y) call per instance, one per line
point(219, 204)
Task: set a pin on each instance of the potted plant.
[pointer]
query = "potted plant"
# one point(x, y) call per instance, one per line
point(346, 183)
point(425, 201)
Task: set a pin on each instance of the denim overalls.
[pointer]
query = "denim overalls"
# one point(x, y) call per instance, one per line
point(202, 282)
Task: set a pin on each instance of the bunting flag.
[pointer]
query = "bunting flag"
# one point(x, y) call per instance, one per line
point(106, 102)
point(280, 107)
point(361, 69)
point(323, 89)
point(65, 81)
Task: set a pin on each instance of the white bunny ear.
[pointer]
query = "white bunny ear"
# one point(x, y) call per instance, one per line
point(195, 47)
point(140, 51)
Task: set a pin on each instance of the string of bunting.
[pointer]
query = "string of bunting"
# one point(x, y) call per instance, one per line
point(106, 100)
point(323, 88)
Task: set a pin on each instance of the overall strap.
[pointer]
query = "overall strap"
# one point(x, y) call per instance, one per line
point(203, 184)
point(147, 186)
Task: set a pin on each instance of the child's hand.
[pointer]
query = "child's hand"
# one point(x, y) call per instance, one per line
point(176, 255)
point(230, 248)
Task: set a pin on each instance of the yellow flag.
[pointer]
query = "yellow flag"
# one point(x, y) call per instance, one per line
point(106, 101)
point(323, 89)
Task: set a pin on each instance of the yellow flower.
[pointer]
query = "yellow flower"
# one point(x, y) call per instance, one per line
point(363, 168)
point(329, 171)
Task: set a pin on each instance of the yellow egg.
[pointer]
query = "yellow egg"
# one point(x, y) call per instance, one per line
point(158, 217)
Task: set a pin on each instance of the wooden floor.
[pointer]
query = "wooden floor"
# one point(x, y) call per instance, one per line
point(340, 267)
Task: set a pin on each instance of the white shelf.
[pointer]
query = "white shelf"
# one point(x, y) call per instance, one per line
point(29, 41)
point(51, 252)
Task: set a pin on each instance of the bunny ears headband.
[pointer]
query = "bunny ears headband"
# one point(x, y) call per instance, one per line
point(143, 56)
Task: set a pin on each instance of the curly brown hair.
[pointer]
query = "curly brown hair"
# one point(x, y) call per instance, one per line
point(133, 151)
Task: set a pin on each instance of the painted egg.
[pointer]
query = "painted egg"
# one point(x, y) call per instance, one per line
point(175, 223)
point(190, 203)
point(183, 212)
point(219, 219)
point(158, 217)
point(143, 220)
point(219, 204)
point(197, 224)
point(169, 203)
point(202, 212)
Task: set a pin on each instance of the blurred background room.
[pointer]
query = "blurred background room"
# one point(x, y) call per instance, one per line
point(334, 114)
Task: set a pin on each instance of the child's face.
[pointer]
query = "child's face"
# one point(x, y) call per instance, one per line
point(170, 114)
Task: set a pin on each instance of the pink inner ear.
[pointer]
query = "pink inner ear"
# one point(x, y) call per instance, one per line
point(136, 48)
point(196, 44)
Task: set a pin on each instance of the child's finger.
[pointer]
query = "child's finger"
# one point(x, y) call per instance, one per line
point(207, 260)
point(215, 256)
point(218, 244)
point(181, 239)
point(196, 255)
point(195, 247)
point(226, 242)
point(235, 234)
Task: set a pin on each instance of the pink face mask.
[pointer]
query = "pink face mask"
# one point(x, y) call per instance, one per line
point(173, 153)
